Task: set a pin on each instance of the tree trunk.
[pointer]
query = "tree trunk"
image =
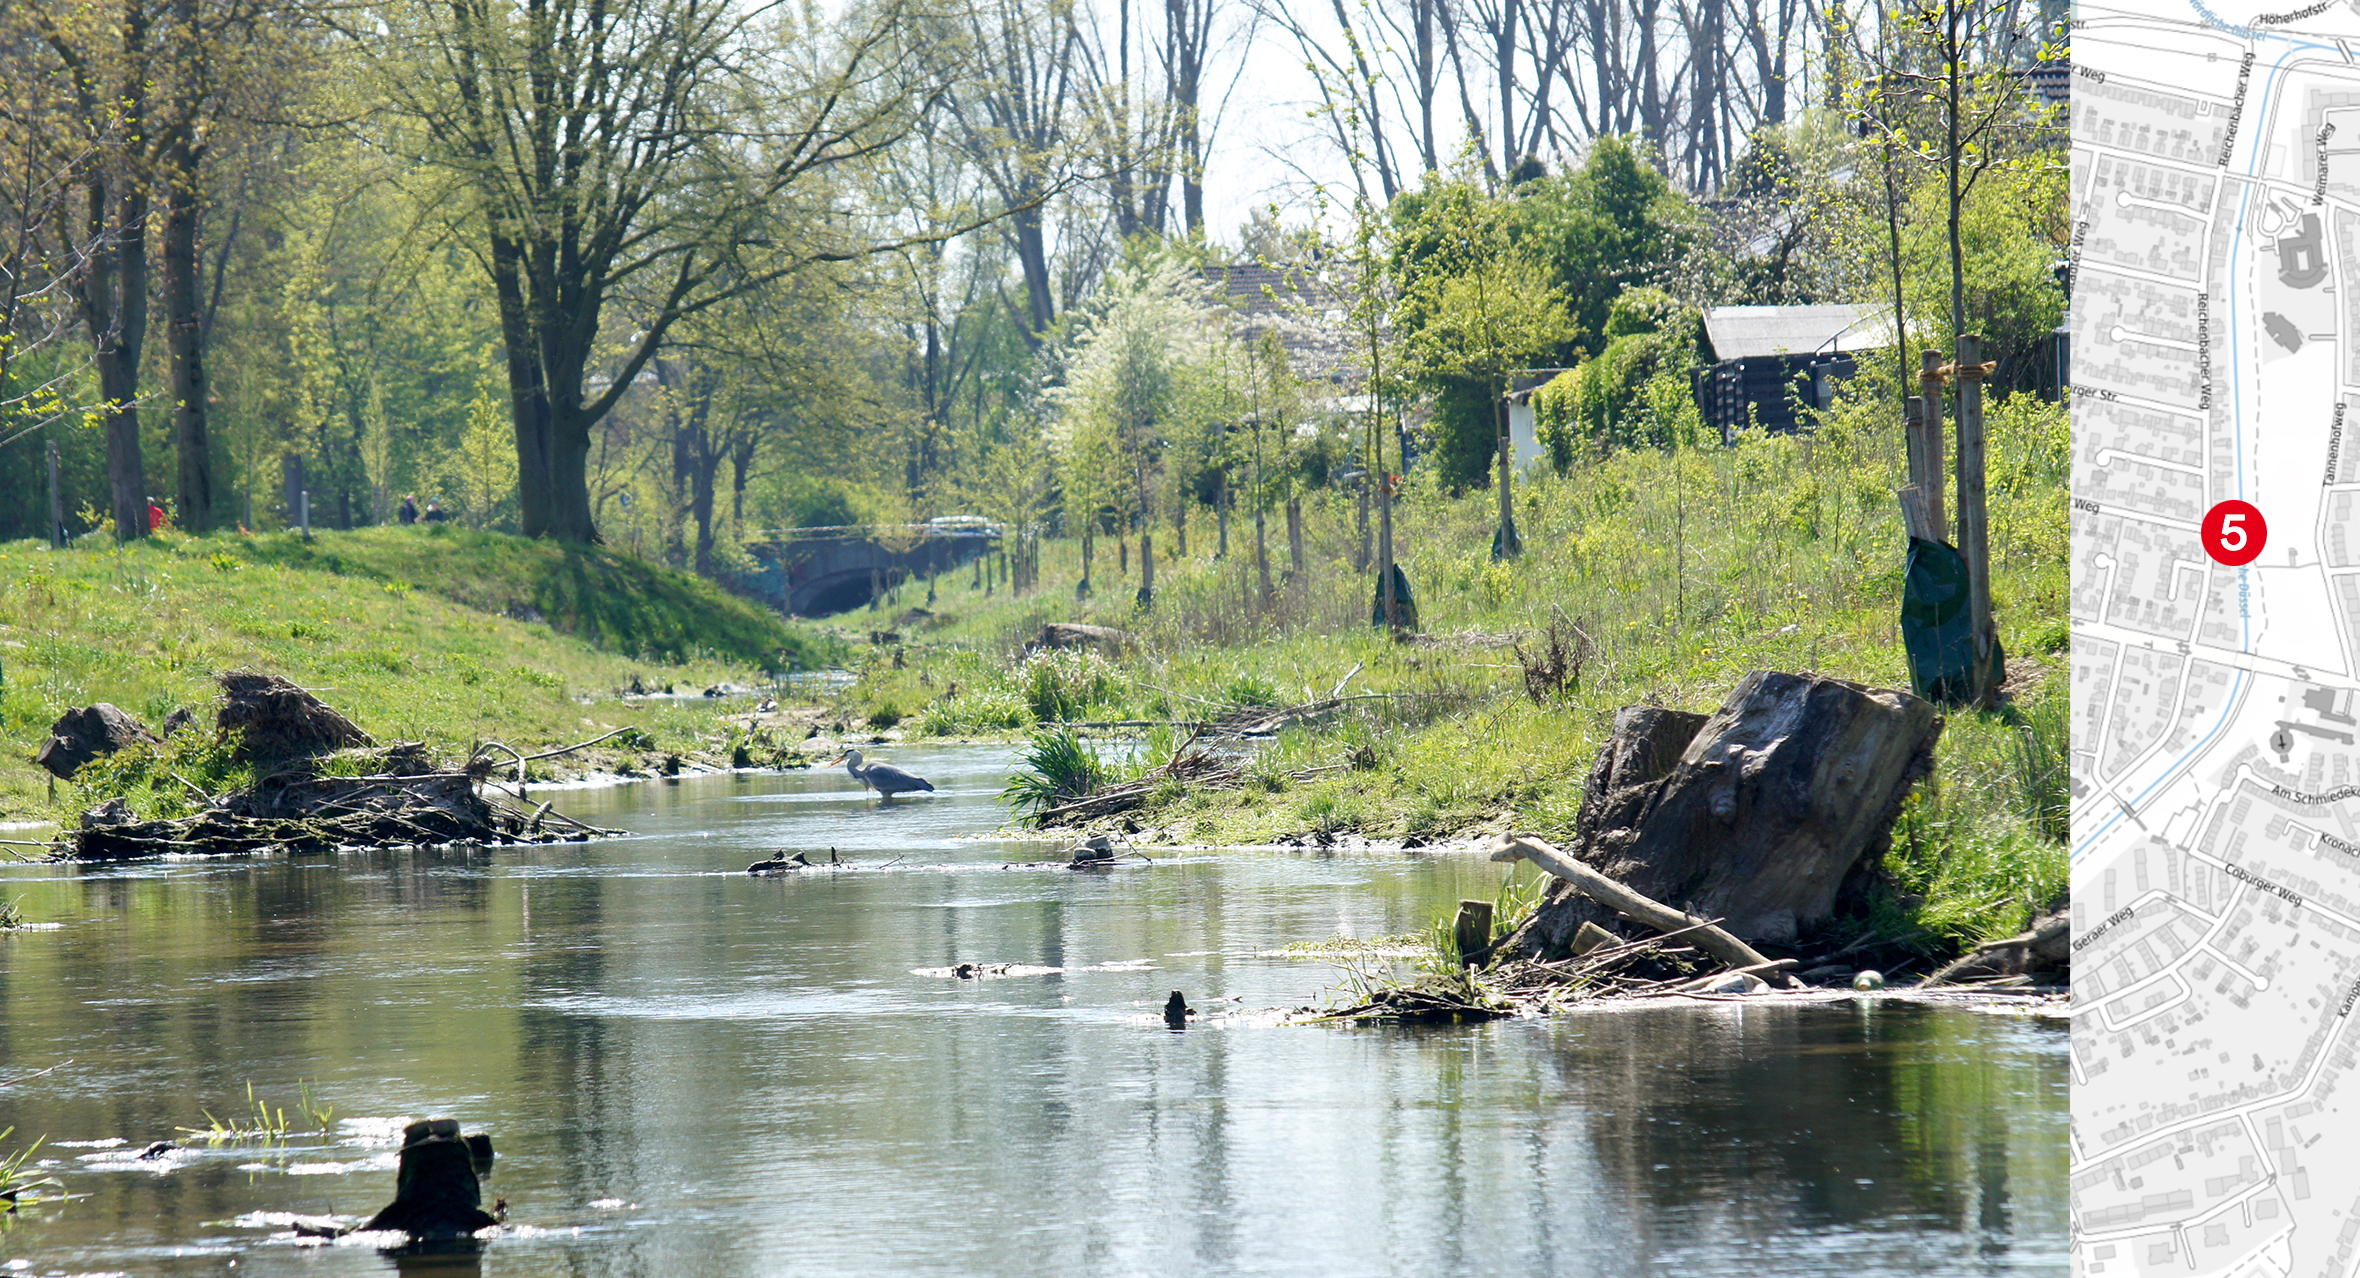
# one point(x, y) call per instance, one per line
point(1297, 570)
point(1146, 568)
point(528, 396)
point(1179, 528)
point(192, 444)
point(1221, 514)
point(1262, 550)
point(1360, 556)
point(1507, 545)
point(1765, 816)
point(569, 487)
point(1081, 589)
point(114, 289)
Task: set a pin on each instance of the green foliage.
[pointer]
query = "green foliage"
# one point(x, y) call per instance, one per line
point(171, 778)
point(1063, 683)
point(1464, 437)
point(1603, 227)
point(1056, 766)
point(264, 1121)
point(1249, 689)
point(2042, 791)
point(22, 1184)
point(808, 501)
point(2010, 241)
point(974, 712)
point(481, 472)
point(1651, 310)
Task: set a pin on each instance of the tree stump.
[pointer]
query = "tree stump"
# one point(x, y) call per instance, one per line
point(271, 719)
point(1766, 815)
point(82, 735)
point(436, 1194)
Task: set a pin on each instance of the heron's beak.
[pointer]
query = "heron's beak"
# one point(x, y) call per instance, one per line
point(833, 762)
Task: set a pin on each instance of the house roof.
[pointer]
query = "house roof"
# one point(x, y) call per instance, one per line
point(1307, 306)
point(1742, 332)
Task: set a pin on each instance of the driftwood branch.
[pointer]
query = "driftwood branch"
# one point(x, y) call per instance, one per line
point(1605, 891)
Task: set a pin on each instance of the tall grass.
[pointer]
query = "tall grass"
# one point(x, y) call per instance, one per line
point(1056, 766)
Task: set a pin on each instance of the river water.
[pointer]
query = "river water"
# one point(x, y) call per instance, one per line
point(690, 1071)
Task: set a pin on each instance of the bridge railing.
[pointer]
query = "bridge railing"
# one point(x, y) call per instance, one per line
point(833, 532)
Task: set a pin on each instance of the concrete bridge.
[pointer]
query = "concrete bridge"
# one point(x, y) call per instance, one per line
point(812, 572)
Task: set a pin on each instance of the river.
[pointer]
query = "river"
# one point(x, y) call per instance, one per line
point(690, 1071)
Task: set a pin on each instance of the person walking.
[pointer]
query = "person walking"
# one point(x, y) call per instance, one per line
point(435, 514)
point(409, 511)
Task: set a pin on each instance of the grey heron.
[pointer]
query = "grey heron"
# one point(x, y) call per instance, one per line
point(884, 778)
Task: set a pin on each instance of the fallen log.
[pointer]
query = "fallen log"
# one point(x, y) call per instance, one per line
point(1622, 900)
point(400, 797)
point(2043, 951)
point(1766, 815)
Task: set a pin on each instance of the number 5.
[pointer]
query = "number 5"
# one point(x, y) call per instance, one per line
point(2232, 536)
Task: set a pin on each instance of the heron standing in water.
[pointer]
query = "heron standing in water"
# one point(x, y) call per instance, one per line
point(884, 778)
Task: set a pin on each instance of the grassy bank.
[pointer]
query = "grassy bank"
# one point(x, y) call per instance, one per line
point(1683, 572)
point(440, 635)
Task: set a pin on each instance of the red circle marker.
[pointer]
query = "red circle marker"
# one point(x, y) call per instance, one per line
point(2234, 533)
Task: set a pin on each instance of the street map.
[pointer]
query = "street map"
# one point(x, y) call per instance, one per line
point(2216, 733)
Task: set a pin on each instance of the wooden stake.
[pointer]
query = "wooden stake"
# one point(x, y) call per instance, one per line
point(1930, 453)
point(1973, 540)
point(1472, 931)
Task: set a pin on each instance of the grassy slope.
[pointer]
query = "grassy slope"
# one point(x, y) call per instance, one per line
point(147, 626)
point(1779, 553)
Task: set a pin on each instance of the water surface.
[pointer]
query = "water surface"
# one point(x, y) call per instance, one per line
point(690, 1071)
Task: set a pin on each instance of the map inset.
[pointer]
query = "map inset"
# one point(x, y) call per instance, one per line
point(2216, 743)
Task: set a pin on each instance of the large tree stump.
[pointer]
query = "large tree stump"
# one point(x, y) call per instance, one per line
point(82, 735)
point(436, 1193)
point(1769, 814)
point(269, 718)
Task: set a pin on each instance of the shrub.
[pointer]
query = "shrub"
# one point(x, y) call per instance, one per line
point(1061, 684)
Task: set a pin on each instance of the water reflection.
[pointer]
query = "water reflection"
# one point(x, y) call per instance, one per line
point(689, 1070)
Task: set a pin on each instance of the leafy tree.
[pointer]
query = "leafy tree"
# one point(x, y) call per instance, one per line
point(1476, 311)
point(1599, 407)
point(661, 157)
point(482, 473)
point(1139, 374)
point(1597, 230)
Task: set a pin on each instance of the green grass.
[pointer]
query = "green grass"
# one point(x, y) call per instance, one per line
point(611, 600)
point(1686, 573)
point(148, 626)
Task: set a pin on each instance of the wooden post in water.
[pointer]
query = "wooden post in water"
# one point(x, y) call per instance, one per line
point(1472, 932)
point(1972, 529)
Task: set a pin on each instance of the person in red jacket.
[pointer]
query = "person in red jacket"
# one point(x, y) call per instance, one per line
point(155, 515)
